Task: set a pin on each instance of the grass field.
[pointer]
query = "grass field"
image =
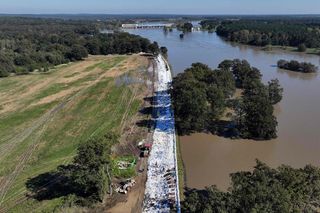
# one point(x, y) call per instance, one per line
point(44, 116)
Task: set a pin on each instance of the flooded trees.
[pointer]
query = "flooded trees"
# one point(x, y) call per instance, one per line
point(296, 66)
point(275, 91)
point(284, 189)
point(185, 27)
point(209, 25)
point(189, 98)
point(257, 119)
point(201, 96)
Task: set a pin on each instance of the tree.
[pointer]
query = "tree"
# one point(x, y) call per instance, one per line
point(257, 120)
point(282, 63)
point(154, 48)
point(208, 200)
point(264, 189)
point(164, 51)
point(272, 32)
point(244, 74)
point(88, 173)
point(302, 48)
point(190, 103)
point(6, 65)
point(209, 25)
point(77, 53)
point(187, 27)
point(33, 43)
point(297, 66)
point(93, 47)
point(199, 96)
point(226, 65)
point(275, 91)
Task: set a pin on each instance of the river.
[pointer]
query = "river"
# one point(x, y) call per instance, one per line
point(210, 159)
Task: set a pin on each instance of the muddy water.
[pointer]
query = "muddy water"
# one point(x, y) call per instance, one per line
point(210, 159)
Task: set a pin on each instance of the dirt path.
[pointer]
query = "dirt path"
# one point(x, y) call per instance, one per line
point(133, 201)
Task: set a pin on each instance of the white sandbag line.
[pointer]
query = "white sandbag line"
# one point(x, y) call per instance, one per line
point(162, 186)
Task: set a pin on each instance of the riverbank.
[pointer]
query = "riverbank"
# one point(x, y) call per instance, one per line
point(181, 170)
point(273, 48)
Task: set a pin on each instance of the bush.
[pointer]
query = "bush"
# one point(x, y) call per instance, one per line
point(302, 48)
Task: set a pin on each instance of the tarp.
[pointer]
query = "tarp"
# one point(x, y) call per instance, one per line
point(162, 159)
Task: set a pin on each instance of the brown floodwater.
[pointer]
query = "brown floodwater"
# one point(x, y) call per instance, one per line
point(210, 159)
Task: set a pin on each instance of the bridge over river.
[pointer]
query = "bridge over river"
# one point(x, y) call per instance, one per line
point(146, 25)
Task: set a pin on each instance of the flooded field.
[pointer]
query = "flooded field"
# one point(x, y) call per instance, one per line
point(210, 159)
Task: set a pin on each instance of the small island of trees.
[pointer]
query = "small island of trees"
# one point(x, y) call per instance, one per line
point(297, 66)
point(202, 95)
point(185, 27)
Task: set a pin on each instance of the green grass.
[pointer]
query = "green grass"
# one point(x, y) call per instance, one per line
point(8, 83)
point(71, 75)
point(99, 109)
point(124, 173)
point(181, 170)
point(13, 121)
point(106, 64)
point(51, 90)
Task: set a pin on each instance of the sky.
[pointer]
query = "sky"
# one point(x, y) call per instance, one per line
point(208, 7)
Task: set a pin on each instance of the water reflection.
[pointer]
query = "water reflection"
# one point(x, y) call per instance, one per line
point(301, 76)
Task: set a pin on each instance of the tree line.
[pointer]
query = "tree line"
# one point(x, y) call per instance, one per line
point(210, 25)
point(284, 189)
point(202, 95)
point(297, 66)
point(28, 44)
point(271, 32)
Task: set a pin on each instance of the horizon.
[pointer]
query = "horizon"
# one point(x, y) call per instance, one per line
point(169, 14)
point(165, 7)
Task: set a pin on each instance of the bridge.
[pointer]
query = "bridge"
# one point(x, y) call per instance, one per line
point(146, 26)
